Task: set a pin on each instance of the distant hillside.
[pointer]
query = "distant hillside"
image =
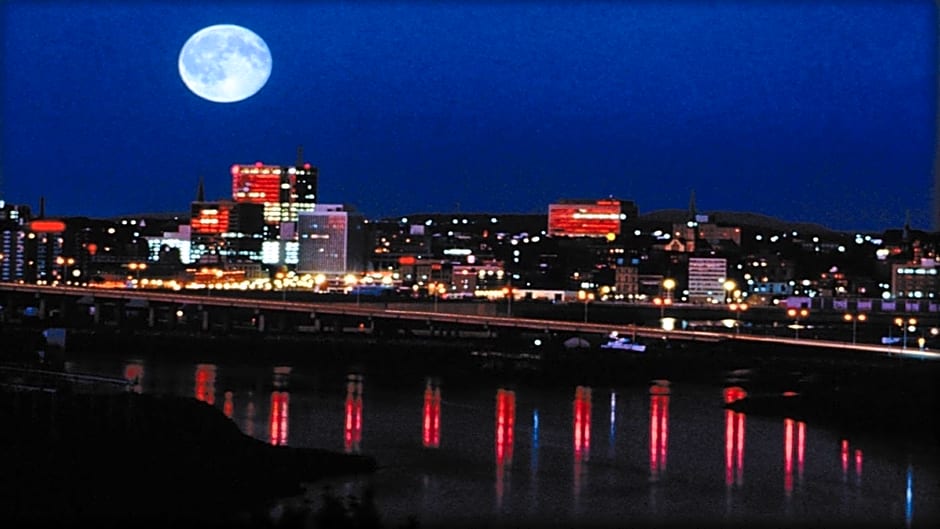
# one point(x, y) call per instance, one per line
point(743, 219)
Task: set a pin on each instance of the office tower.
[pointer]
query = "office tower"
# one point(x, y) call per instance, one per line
point(332, 240)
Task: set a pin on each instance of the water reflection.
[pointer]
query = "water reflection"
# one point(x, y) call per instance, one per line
point(431, 415)
point(134, 373)
point(659, 428)
point(582, 435)
point(352, 424)
point(228, 406)
point(612, 437)
point(205, 383)
point(734, 439)
point(789, 443)
point(505, 430)
point(280, 399)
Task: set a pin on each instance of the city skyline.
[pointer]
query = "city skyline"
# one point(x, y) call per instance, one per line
point(807, 113)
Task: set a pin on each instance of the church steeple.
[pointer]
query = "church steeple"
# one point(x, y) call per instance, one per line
point(201, 191)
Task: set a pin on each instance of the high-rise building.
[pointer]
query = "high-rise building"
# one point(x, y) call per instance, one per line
point(332, 240)
point(283, 191)
point(706, 278)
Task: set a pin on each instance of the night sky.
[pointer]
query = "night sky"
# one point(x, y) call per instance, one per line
point(806, 111)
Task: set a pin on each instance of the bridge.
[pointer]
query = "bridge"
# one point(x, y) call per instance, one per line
point(156, 309)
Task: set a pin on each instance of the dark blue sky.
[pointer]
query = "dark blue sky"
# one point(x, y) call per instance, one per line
point(806, 111)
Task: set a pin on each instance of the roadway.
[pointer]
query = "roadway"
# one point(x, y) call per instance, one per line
point(443, 317)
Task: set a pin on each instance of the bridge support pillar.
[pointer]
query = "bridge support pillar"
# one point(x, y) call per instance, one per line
point(95, 313)
point(151, 317)
point(260, 320)
point(42, 308)
point(227, 320)
point(205, 320)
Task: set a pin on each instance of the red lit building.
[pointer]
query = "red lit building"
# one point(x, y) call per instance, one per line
point(283, 191)
point(588, 218)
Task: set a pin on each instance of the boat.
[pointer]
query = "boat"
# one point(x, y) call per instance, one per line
point(623, 343)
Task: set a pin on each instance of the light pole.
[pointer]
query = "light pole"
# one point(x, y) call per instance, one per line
point(137, 267)
point(586, 297)
point(729, 285)
point(909, 325)
point(854, 318)
point(65, 262)
point(507, 292)
point(737, 309)
point(796, 314)
point(668, 285)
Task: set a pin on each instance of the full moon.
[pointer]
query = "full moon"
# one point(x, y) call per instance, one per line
point(225, 63)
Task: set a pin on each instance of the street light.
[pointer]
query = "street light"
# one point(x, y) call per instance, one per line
point(737, 309)
point(586, 297)
point(352, 283)
point(906, 325)
point(796, 314)
point(854, 318)
point(668, 285)
point(64, 262)
point(508, 294)
point(137, 267)
point(729, 285)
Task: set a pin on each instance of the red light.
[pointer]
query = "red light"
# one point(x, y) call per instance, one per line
point(47, 226)
point(352, 433)
point(278, 418)
point(92, 248)
point(259, 164)
point(205, 383)
point(228, 407)
point(406, 260)
point(306, 166)
point(431, 430)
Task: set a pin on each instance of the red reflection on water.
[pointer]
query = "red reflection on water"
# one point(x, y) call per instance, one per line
point(582, 432)
point(431, 420)
point(205, 383)
point(228, 407)
point(858, 464)
point(352, 425)
point(788, 455)
point(134, 373)
point(845, 458)
point(788, 445)
point(734, 438)
point(659, 427)
point(800, 445)
point(277, 420)
point(505, 426)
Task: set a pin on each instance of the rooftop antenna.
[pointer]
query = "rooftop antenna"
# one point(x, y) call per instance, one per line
point(201, 191)
point(300, 155)
point(692, 205)
point(42, 207)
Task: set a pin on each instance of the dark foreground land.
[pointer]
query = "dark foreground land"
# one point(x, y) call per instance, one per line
point(135, 460)
point(124, 459)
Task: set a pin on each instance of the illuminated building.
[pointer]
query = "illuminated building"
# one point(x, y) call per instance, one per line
point(915, 281)
point(706, 277)
point(284, 192)
point(12, 241)
point(589, 218)
point(332, 240)
point(225, 230)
